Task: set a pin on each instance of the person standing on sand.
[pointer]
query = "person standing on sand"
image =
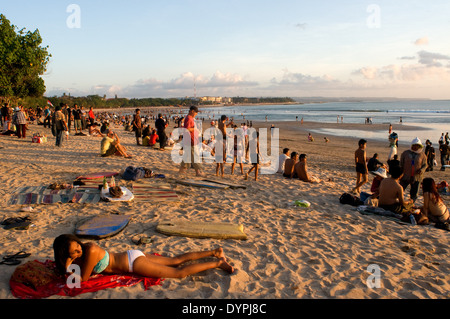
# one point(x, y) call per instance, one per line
point(21, 123)
point(413, 163)
point(254, 158)
point(59, 121)
point(160, 125)
point(191, 144)
point(137, 126)
point(362, 173)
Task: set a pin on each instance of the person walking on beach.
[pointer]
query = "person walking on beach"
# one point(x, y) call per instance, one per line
point(137, 126)
point(362, 173)
point(413, 163)
point(92, 259)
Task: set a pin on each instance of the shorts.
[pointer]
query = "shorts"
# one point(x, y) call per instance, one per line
point(361, 168)
point(110, 152)
point(132, 256)
point(77, 124)
point(138, 131)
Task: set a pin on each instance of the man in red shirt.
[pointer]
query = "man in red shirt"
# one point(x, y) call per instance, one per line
point(91, 115)
point(189, 124)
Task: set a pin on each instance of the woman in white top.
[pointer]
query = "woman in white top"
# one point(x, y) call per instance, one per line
point(433, 205)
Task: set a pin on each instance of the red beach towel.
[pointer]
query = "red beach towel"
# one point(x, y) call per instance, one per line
point(37, 280)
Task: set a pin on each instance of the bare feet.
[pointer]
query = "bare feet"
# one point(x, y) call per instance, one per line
point(218, 253)
point(226, 266)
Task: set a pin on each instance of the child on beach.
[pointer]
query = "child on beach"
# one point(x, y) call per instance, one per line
point(362, 173)
point(93, 259)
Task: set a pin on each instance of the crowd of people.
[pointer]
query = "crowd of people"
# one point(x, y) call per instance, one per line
point(392, 180)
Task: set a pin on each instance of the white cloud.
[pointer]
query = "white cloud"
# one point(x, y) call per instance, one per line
point(422, 41)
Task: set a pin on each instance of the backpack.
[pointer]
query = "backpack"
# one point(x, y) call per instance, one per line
point(349, 199)
point(132, 173)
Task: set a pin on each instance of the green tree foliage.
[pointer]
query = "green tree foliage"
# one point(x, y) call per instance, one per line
point(23, 61)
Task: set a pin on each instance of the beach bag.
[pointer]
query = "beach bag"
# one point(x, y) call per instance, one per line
point(132, 173)
point(349, 199)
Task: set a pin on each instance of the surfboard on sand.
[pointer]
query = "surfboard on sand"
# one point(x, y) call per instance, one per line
point(98, 175)
point(202, 229)
point(232, 185)
point(102, 226)
point(200, 183)
point(126, 197)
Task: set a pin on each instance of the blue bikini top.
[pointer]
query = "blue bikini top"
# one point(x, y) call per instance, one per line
point(102, 264)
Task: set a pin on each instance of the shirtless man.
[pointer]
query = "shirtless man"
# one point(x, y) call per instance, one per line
point(362, 173)
point(301, 168)
point(289, 166)
point(391, 193)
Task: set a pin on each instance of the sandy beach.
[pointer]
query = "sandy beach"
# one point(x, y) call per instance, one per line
point(291, 253)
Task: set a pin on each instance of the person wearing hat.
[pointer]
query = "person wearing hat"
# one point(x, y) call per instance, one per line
point(21, 123)
point(380, 174)
point(413, 163)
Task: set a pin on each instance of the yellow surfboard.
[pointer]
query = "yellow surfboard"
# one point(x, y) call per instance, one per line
point(202, 229)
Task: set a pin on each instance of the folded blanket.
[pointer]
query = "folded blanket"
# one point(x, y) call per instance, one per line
point(36, 280)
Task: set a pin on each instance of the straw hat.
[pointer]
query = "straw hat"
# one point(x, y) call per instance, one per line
point(380, 172)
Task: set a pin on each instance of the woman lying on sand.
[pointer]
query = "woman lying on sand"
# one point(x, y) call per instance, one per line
point(92, 259)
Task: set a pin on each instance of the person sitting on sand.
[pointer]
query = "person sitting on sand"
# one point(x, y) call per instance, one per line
point(380, 174)
point(150, 140)
point(110, 145)
point(7, 126)
point(94, 131)
point(289, 166)
point(391, 193)
point(374, 163)
point(301, 169)
point(433, 205)
point(281, 160)
point(92, 259)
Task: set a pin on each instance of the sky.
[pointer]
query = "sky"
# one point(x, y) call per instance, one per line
point(295, 48)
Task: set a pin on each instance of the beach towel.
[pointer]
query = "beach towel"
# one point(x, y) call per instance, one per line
point(29, 195)
point(37, 280)
point(152, 192)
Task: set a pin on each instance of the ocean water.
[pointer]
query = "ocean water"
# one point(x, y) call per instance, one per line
point(431, 115)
